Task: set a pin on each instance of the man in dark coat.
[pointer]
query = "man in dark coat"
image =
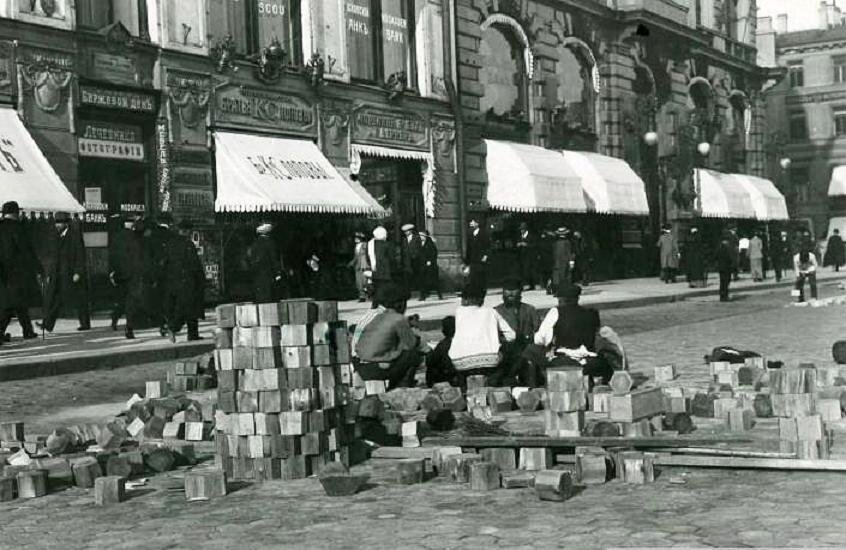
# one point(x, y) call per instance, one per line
point(184, 284)
point(562, 259)
point(20, 271)
point(410, 254)
point(582, 259)
point(693, 259)
point(67, 278)
point(726, 264)
point(523, 320)
point(476, 259)
point(142, 275)
point(527, 249)
point(430, 279)
point(780, 253)
point(265, 265)
point(835, 253)
point(119, 249)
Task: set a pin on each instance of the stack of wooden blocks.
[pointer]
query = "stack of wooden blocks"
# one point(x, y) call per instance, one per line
point(191, 375)
point(284, 377)
point(801, 430)
point(566, 401)
point(631, 409)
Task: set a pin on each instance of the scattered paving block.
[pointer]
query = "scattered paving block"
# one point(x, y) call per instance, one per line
point(173, 430)
point(32, 484)
point(432, 402)
point(793, 405)
point(484, 476)
point(518, 480)
point(636, 405)
point(810, 428)
point(135, 428)
point(591, 467)
point(154, 427)
point(504, 457)
point(554, 485)
point(640, 428)
point(20, 458)
point(637, 467)
point(8, 489)
point(119, 465)
point(440, 456)
point(528, 401)
point(679, 422)
point(195, 431)
point(109, 490)
point(702, 405)
point(409, 471)
point(535, 458)
point(85, 471)
point(500, 401)
point(755, 362)
point(12, 431)
point(566, 424)
point(621, 383)
point(565, 379)
point(112, 436)
point(763, 406)
point(569, 401)
point(663, 374)
point(600, 399)
point(457, 467)
point(740, 420)
point(204, 485)
point(155, 389)
point(722, 407)
point(59, 472)
point(829, 409)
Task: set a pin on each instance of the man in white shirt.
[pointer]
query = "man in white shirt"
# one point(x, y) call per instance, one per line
point(805, 268)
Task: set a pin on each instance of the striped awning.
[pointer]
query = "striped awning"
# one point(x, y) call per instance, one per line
point(837, 185)
point(528, 178)
point(25, 174)
point(722, 196)
point(273, 174)
point(768, 202)
point(609, 184)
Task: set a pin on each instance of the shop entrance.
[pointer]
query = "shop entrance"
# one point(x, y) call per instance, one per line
point(120, 184)
point(398, 185)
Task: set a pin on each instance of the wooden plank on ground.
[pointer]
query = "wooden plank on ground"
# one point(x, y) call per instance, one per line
point(751, 463)
point(401, 453)
point(482, 442)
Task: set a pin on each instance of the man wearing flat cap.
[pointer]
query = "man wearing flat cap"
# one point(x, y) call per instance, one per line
point(359, 264)
point(185, 278)
point(20, 272)
point(266, 266)
point(67, 278)
point(410, 253)
point(523, 320)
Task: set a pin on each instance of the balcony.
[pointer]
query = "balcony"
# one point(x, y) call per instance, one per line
point(667, 9)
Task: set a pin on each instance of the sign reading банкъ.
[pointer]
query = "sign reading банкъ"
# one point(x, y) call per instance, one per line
point(235, 105)
point(373, 125)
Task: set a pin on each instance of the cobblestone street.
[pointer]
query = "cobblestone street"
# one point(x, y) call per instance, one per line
point(709, 508)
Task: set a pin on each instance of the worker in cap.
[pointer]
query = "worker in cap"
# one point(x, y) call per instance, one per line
point(21, 287)
point(360, 265)
point(266, 265)
point(67, 278)
point(524, 321)
point(380, 254)
point(410, 254)
point(183, 291)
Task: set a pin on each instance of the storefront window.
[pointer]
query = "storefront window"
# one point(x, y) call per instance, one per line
point(255, 24)
point(96, 14)
point(397, 39)
point(358, 15)
point(501, 75)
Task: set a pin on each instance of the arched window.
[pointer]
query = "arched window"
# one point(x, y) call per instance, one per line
point(503, 75)
point(576, 93)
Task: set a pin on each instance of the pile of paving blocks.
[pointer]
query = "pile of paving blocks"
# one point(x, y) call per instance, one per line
point(283, 386)
point(193, 375)
point(169, 416)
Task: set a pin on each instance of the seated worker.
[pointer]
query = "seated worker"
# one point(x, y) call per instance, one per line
point(439, 367)
point(523, 320)
point(569, 326)
point(387, 348)
point(479, 331)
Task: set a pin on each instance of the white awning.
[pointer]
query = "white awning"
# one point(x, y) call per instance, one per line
point(527, 178)
point(837, 186)
point(271, 174)
point(722, 196)
point(768, 202)
point(25, 174)
point(610, 185)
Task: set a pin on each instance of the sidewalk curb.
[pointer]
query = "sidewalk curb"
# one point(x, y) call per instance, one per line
point(35, 367)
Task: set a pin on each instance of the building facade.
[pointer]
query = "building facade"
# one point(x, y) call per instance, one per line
point(806, 114)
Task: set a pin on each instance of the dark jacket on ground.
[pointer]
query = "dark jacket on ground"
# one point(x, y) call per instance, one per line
point(265, 265)
point(19, 267)
point(184, 280)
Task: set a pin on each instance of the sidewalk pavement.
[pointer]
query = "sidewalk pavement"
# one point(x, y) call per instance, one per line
point(66, 350)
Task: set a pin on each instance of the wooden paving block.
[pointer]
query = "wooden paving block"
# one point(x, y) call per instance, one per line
point(32, 483)
point(258, 446)
point(205, 485)
point(636, 405)
point(591, 467)
point(500, 401)
point(59, 471)
point(224, 360)
point(504, 457)
point(226, 316)
point(528, 401)
point(787, 430)
point(485, 476)
point(267, 358)
point(195, 431)
point(564, 379)
point(569, 401)
point(740, 420)
point(246, 315)
point(535, 458)
point(243, 424)
point(793, 405)
point(8, 489)
point(12, 431)
point(476, 382)
point(567, 424)
point(109, 490)
point(294, 467)
point(810, 428)
point(326, 311)
point(791, 380)
point(457, 467)
point(273, 314)
point(621, 383)
point(716, 367)
point(273, 401)
point(722, 407)
point(173, 430)
point(637, 468)
point(755, 362)
point(409, 471)
point(266, 424)
point(112, 436)
point(518, 480)
point(296, 357)
point(375, 387)
point(294, 336)
point(159, 459)
point(85, 471)
point(19, 458)
point(185, 454)
point(247, 401)
point(829, 409)
point(223, 339)
point(301, 312)
point(266, 337)
point(293, 423)
point(440, 456)
point(664, 374)
point(554, 485)
point(304, 399)
point(639, 428)
point(119, 465)
point(728, 378)
point(600, 399)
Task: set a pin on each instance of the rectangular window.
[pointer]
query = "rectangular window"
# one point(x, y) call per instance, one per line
point(799, 183)
point(839, 64)
point(256, 24)
point(397, 40)
point(798, 127)
point(96, 14)
point(228, 18)
point(840, 123)
point(796, 74)
point(429, 46)
point(361, 45)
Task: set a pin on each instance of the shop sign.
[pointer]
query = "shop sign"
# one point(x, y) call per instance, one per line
point(192, 177)
point(46, 58)
point(374, 125)
point(107, 66)
point(246, 107)
point(163, 167)
point(95, 96)
point(114, 141)
point(193, 203)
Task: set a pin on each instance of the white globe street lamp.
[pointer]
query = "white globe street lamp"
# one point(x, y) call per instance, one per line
point(785, 163)
point(704, 148)
point(651, 138)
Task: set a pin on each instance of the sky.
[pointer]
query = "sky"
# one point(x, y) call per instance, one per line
point(801, 14)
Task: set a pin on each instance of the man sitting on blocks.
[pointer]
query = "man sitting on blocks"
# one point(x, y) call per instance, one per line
point(387, 348)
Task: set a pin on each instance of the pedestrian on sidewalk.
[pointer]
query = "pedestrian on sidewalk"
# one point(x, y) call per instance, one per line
point(835, 252)
point(67, 279)
point(21, 273)
point(693, 259)
point(119, 249)
point(359, 265)
point(743, 251)
point(478, 250)
point(780, 254)
point(381, 259)
point(410, 257)
point(430, 278)
point(184, 290)
point(668, 248)
point(527, 251)
point(562, 259)
point(142, 277)
point(266, 265)
point(726, 264)
point(582, 259)
point(805, 269)
point(756, 258)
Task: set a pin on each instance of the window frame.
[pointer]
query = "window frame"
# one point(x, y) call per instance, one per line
point(796, 74)
point(792, 119)
point(378, 48)
point(839, 113)
point(838, 63)
point(293, 50)
point(141, 7)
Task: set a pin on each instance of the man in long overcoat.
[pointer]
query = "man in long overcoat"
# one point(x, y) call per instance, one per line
point(527, 249)
point(477, 257)
point(410, 253)
point(67, 279)
point(562, 259)
point(184, 284)
point(20, 271)
point(266, 265)
point(835, 252)
point(142, 275)
point(119, 249)
point(359, 265)
point(693, 257)
point(668, 248)
point(429, 272)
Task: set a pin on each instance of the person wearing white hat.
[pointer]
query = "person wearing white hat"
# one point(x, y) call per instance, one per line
point(379, 256)
point(265, 265)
